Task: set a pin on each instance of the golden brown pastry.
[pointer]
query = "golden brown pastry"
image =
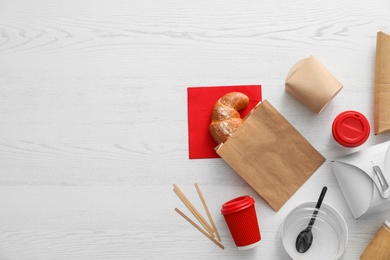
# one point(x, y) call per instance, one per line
point(225, 117)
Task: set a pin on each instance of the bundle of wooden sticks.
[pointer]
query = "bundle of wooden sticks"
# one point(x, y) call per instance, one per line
point(210, 230)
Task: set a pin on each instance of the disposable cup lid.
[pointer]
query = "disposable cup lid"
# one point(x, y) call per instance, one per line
point(237, 204)
point(351, 128)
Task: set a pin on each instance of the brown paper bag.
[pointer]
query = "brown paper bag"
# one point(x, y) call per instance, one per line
point(312, 84)
point(382, 84)
point(270, 155)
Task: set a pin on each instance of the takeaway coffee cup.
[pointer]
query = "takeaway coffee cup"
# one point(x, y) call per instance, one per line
point(379, 247)
point(241, 219)
point(350, 128)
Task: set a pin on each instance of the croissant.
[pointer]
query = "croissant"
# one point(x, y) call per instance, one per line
point(225, 117)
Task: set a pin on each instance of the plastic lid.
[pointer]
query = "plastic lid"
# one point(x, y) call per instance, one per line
point(351, 128)
point(237, 204)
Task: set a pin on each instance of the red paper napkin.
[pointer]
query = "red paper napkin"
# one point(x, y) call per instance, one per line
point(201, 101)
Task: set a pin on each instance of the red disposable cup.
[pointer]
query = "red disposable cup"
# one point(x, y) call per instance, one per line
point(350, 128)
point(241, 219)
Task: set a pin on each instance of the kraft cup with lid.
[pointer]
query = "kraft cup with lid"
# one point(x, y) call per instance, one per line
point(241, 219)
point(350, 128)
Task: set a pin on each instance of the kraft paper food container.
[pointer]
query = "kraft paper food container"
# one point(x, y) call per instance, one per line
point(330, 233)
point(312, 84)
point(379, 246)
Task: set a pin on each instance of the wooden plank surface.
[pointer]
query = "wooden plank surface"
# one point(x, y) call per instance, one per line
point(93, 118)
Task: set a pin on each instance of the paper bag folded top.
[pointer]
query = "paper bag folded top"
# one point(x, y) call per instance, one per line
point(270, 155)
point(382, 84)
point(364, 189)
point(312, 84)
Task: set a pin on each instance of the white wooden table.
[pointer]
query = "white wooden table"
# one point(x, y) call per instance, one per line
point(93, 118)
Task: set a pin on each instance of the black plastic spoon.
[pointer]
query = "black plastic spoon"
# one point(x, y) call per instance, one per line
point(305, 238)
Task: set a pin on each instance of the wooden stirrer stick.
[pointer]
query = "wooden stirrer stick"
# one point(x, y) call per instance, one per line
point(207, 211)
point(193, 210)
point(199, 228)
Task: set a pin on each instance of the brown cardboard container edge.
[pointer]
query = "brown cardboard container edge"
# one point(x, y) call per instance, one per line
point(382, 84)
point(270, 155)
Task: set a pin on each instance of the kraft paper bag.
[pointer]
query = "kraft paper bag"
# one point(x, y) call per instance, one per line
point(312, 84)
point(382, 84)
point(270, 155)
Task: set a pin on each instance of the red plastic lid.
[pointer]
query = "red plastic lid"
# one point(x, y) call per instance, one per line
point(351, 128)
point(237, 204)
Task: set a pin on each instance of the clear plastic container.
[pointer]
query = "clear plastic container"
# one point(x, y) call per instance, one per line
point(330, 233)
